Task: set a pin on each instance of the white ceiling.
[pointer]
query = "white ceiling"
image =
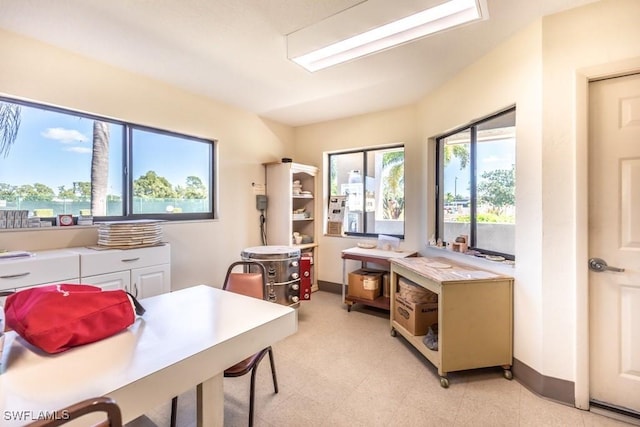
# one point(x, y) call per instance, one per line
point(235, 50)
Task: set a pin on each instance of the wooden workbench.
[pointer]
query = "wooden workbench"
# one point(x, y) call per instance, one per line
point(475, 314)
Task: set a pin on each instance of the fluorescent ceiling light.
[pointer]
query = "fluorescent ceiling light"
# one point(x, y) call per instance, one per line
point(438, 18)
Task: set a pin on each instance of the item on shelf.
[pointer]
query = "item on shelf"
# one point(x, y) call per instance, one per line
point(85, 219)
point(365, 284)
point(65, 220)
point(296, 188)
point(461, 244)
point(366, 245)
point(15, 254)
point(415, 317)
point(14, 218)
point(130, 234)
point(431, 339)
point(415, 293)
point(388, 243)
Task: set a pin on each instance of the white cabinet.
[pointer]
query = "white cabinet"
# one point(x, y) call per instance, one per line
point(151, 281)
point(143, 272)
point(44, 268)
point(110, 281)
point(291, 208)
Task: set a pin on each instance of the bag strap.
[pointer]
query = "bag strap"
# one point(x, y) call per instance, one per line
point(139, 308)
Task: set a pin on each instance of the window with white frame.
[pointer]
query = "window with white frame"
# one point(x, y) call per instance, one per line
point(372, 183)
point(476, 185)
point(55, 161)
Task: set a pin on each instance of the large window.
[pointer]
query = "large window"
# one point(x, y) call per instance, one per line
point(372, 183)
point(476, 185)
point(54, 161)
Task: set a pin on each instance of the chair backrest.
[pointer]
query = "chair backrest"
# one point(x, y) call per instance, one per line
point(252, 281)
point(73, 412)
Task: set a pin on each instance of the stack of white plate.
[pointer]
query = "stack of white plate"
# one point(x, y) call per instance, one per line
point(129, 234)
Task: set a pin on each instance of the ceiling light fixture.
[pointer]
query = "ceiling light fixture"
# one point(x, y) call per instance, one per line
point(438, 18)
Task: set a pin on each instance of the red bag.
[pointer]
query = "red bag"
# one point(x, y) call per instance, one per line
point(55, 318)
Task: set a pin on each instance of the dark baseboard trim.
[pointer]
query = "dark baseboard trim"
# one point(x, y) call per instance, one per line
point(332, 287)
point(562, 391)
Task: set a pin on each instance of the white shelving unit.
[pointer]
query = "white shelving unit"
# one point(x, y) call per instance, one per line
point(283, 201)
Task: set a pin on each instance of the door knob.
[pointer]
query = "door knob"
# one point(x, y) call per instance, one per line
point(599, 265)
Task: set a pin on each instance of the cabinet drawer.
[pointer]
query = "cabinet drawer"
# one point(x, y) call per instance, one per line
point(44, 267)
point(94, 262)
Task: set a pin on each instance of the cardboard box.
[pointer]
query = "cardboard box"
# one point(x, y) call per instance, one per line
point(415, 317)
point(365, 284)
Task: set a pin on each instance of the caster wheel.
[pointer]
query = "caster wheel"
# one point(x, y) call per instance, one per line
point(393, 332)
point(349, 308)
point(444, 382)
point(508, 374)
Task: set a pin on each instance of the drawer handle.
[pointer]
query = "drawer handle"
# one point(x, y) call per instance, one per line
point(131, 259)
point(14, 276)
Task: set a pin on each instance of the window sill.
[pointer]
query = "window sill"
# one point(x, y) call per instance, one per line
point(495, 266)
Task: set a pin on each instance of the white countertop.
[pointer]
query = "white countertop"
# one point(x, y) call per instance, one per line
point(187, 336)
point(377, 253)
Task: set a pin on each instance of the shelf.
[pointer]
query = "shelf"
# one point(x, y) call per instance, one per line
point(303, 246)
point(380, 302)
point(290, 213)
point(418, 343)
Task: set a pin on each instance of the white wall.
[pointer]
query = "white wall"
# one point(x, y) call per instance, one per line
point(201, 251)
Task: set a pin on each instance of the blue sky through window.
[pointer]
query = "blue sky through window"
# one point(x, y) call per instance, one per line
point(55, 149)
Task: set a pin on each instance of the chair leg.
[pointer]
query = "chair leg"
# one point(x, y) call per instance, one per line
point(273, 371)
point(174, 411)
point(252, 395)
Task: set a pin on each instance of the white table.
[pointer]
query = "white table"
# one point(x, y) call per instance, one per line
point(185, 339)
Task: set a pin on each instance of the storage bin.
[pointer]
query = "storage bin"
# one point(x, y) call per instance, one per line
point(412, 292)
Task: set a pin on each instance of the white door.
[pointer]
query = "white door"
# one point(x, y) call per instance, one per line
point(150, 281)
point(614, 236)
point(110, 281)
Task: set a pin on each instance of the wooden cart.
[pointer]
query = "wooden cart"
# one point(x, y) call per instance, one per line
point(475, 314)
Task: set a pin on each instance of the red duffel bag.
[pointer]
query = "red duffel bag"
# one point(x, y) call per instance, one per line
point(56, 318)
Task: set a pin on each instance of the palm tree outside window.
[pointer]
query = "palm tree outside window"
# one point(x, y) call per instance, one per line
point(55, 161)
point(372, 182)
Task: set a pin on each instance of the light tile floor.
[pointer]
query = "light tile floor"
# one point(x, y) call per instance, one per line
point(344, 369)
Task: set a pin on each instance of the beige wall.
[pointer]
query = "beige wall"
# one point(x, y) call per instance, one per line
point(201, 251)
point(509, 75)
point(536, 70)
point(376, 129)
point(596, 40)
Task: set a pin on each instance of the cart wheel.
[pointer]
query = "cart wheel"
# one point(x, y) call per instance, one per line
point(349, 308)
point(444, 382)
point(508, 374)
point(393, 332)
